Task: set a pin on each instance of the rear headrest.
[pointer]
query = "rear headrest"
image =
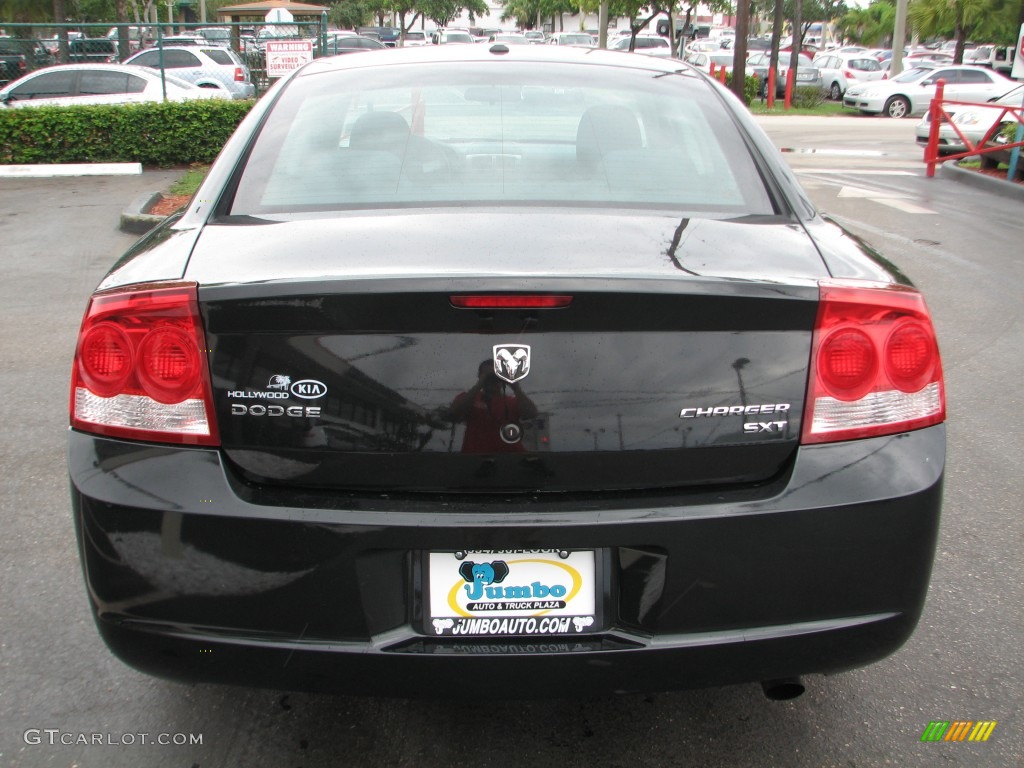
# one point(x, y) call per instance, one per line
point(606, 128)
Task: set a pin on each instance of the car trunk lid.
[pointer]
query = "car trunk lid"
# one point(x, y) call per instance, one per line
point(653, 372)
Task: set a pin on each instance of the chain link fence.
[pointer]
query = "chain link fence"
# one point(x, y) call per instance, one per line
point(227, 55)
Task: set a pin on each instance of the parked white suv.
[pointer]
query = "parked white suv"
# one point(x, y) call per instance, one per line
point(207, 67)
point(839, 71)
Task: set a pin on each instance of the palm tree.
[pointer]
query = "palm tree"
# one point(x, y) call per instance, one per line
point(935, 18)
point(869, 26)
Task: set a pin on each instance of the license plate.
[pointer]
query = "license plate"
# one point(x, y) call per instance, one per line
point(494, 593)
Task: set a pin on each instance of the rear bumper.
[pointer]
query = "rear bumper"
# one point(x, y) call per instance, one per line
point(192, 575)
point(243, 90)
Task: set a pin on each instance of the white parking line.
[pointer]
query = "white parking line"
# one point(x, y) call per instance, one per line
point(851, 171)
point(896, 200)
point(70, 169)
point(870, 194)
point(902, 205)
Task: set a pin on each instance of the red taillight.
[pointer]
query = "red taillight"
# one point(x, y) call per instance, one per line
point(875, 367)
point(140, 368)
point(507, 301)
point(239, 75)
point(169, 365)
point(849, 75)
point(848, 363)
point(105, 359)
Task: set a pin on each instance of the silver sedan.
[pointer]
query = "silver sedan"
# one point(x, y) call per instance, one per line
point(973, 121)
point(910, 93)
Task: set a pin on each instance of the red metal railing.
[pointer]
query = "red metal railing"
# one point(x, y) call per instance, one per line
point(939, 115)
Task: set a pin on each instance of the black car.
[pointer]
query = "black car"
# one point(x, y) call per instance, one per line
point(92, 50)
point(19, 56)
point(509, 370)
point(336, 45)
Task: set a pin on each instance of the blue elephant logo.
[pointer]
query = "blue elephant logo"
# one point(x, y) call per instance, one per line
point(480, 575)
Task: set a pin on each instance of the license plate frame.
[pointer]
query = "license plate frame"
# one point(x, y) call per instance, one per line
point(513, 593)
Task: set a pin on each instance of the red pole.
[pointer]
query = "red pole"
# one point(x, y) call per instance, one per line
point(931, 151)
point(721, 74)
point(712, 69)
point(789, 87)
point(771, 89)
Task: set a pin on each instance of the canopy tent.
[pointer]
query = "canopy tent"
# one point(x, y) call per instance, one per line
point(262, 7)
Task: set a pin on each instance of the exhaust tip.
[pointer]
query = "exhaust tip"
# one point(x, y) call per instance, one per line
point(783, 689)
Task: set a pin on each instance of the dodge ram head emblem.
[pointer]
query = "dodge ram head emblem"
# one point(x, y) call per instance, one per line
point(511, 362)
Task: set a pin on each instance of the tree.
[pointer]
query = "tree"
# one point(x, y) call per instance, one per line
point(401, 9)
point(872, 26)
point(529, 14)
point(349, 14)
point(937, 18)
point(443, 12)
point(739, 61)
point(631, 9)
point(587, 7)
point(24, 11)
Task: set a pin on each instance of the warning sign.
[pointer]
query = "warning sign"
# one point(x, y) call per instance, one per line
point(285, 55)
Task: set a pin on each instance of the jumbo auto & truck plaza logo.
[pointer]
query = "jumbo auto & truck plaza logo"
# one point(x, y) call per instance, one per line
point(507, 593)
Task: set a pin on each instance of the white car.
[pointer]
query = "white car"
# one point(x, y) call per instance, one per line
point(70, 84)
point(649, 45)
point(703, 46)
point(910, 92)
point(208, 66)
point(704, 61)
point(509, 38)
point(973, 121)
point(452, 37)
point(575, 39)
point(807, 75)
point(841, 70)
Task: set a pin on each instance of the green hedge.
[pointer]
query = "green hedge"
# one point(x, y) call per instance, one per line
point(152, 134)
point(808, 97)
point(751, 87)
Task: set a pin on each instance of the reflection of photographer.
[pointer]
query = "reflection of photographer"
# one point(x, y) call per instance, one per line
point(493, 416)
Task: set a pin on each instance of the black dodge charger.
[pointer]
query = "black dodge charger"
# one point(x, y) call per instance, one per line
point(515, 370)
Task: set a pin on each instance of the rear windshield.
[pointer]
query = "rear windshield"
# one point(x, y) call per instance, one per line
point(220, 55)
point(451, 133)
point(865, 65)
point(576, 40)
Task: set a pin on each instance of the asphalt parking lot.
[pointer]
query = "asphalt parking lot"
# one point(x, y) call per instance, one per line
point(64, 700)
